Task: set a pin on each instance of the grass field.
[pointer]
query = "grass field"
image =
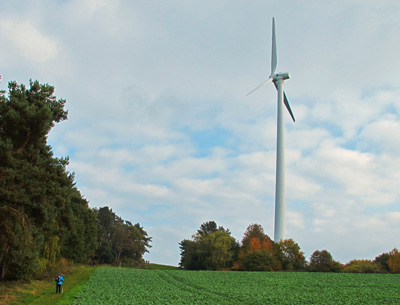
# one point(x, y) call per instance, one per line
point(43, 292)
point(135, 286)
point(166, 285)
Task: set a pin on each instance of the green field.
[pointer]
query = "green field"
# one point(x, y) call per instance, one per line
point(135, 286)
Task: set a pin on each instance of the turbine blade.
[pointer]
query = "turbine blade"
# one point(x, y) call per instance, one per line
point(286, 102)
point(274, 60)
point(263, 84)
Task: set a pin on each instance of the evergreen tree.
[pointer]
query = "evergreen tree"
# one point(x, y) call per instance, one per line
point(43, 215)
point(119, 240)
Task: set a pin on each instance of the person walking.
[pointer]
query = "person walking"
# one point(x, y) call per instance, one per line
point(59, 281)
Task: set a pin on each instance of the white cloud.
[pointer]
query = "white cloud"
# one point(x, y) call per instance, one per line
point(383, 135)
point(29, 41)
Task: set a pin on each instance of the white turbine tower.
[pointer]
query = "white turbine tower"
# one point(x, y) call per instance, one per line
point(278, 79)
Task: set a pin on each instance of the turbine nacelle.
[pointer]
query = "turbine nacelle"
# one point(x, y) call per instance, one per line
point(278, 76)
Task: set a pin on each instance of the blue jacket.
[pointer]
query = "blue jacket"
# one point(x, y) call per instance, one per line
point(61, 280)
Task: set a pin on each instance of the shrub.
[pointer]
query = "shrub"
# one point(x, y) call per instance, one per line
point(259, 260)
point(322, 261)
point(362, 266)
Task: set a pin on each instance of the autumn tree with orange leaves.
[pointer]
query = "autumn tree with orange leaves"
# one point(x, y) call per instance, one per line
point(394, 261)
point(257, 251)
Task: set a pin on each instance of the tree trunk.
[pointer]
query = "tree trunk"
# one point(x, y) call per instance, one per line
point(3, 263)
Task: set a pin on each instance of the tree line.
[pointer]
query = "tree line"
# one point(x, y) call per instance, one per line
point(44, 219)
point(213, 248)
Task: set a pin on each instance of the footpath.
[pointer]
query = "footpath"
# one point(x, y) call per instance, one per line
point(44, 292)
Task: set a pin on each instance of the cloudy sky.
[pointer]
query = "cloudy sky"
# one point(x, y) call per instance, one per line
point(160, 128)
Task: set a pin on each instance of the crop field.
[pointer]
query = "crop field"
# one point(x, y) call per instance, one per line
point(134, 286)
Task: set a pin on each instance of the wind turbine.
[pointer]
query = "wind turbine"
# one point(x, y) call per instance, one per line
point(278, 79)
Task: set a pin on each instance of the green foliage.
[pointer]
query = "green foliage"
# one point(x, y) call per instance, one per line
point(322, 261)
point(34, 186)
point(259, 260)
point(211, 227)
point(47, 270)
point(362, 266)
point(382, 261)
point(15, 238)
point(119, 240)
point(28, 114)
point(106, 219)
point(217, 250)
point(289, 255)
point(51, 250)
point(212, 248)
point(190, 258)
point(80, 234)
point(134, 286)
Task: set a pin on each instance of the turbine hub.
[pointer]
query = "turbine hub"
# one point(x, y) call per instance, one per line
point(280, 75)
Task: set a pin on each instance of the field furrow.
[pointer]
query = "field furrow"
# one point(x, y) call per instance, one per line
point(133, 286)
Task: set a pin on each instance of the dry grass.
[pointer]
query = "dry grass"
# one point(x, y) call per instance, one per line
point(12, 292)
point(7, 299)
